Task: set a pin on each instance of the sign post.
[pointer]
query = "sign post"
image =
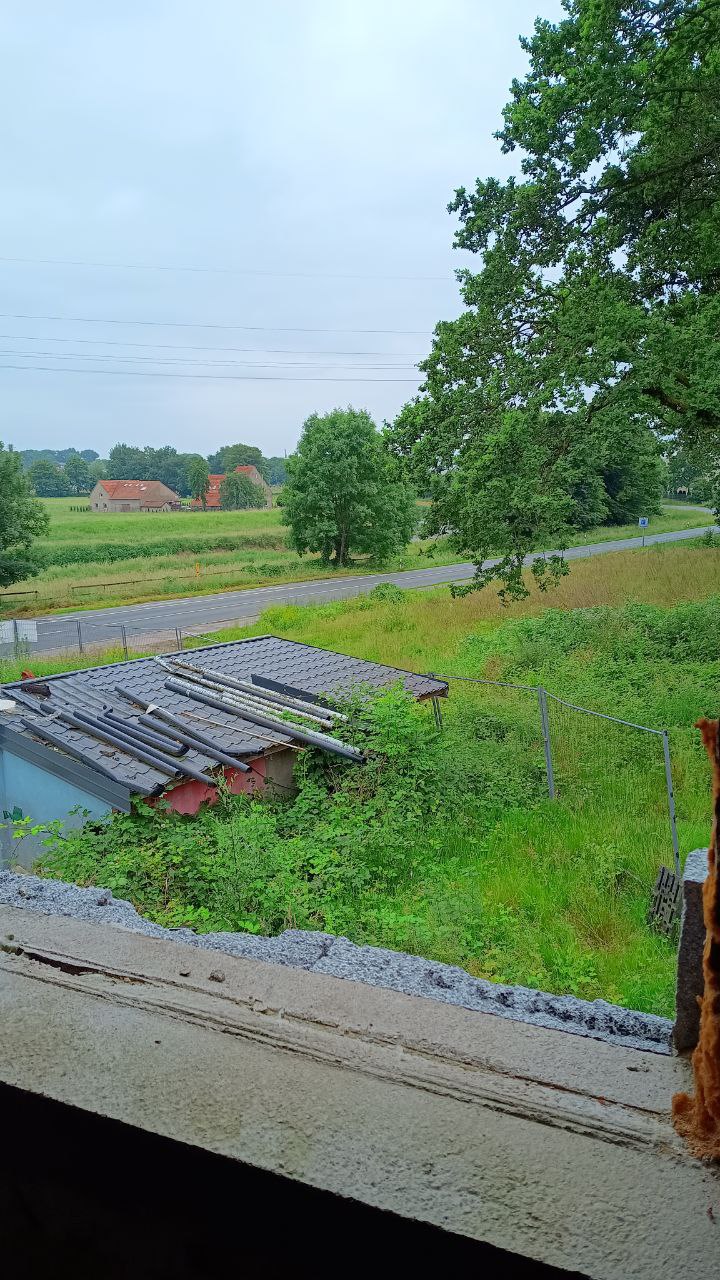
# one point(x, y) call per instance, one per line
point(643, 523)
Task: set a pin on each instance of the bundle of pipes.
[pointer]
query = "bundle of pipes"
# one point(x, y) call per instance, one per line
point(269, 699)
point(94, 717)
point(215, 692)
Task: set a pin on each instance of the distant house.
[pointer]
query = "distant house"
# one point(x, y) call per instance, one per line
point(212, 498)
point(133, 495)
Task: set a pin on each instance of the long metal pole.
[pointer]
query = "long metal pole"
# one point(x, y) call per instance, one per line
point(671, 801)
point(266, 722)
point(545, 726)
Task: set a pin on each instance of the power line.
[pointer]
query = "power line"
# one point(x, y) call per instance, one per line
point(214, 377)
point(242, 364)
point(235, 271)
point(181, 346)
point(177, 324)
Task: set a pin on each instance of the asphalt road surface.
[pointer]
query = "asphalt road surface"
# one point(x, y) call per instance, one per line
point(207, 613)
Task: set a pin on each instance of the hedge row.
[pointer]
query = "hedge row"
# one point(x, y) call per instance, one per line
point(109, 552)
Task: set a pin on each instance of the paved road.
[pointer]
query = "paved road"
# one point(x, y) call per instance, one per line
point(205, 613)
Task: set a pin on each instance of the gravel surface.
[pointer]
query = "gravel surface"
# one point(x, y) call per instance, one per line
point(325, 953)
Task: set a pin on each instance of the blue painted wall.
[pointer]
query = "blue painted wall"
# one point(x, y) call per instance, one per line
point(44, 798)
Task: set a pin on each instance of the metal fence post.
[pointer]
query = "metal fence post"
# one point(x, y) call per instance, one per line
point(16, 637)
point(178, 638)
point(545, 726)
point(124, 641)
point(671, 801)
point(80, 644)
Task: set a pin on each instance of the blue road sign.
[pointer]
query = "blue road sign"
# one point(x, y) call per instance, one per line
point(643, 522)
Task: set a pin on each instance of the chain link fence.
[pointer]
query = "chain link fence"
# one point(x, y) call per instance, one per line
point(632, 762)
point(24, 638)
point(595, 767)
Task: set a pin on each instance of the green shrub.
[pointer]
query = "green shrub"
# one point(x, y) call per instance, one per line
point(387, 593)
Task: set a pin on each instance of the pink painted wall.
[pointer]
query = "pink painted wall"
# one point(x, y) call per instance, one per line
point(187, 797)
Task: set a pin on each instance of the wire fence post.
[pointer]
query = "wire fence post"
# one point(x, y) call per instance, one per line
point(437, 713)
point(16, 638)
point(80, 643)
point(124, 641)
point(671, 801)
point(545, 726)
point(178, 638)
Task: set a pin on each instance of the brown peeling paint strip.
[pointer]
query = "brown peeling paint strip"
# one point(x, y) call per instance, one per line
point(698, 1118)
point(67, 964)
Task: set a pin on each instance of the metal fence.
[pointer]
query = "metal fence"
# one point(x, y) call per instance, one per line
point(589, 757)
point(25, 638)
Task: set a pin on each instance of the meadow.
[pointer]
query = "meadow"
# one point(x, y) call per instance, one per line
point(449, 846)
point(93, 560)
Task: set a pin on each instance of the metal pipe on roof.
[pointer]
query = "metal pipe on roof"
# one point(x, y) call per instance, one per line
point(282, 740)
point(321, 740)
point(169, 718)
point(247, 700)
point(144, 736)
point(108, 733)
point(199, 742)
point(158, 761)
point(243, 701)
point(141, 788)
point(310, 709)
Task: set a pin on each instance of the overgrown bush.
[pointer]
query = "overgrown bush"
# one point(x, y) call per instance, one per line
point(331, 858)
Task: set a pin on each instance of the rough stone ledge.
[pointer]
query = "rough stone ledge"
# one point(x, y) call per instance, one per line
point(340, 958)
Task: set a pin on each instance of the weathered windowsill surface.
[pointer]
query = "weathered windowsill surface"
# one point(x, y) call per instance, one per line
point(551, 1146)
point(340, 958)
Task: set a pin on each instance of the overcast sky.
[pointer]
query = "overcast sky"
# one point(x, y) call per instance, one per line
point(303, 152)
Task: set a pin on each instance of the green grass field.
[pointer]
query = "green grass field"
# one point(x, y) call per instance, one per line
point(95, 560)
point(459, 854)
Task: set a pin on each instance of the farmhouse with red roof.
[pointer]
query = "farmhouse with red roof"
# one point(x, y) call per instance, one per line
point(133, 495)
point(212, 498)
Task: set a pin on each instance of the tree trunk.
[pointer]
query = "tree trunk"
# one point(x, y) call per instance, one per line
point(341, 546)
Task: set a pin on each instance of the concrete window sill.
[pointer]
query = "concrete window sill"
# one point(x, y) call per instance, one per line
point(546, 1145)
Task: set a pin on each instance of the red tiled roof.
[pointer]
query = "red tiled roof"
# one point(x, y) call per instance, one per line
point(152, 493)
point(249, 471)
point(212, 497)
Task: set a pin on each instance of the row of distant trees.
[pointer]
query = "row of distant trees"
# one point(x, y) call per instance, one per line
point(66, 473)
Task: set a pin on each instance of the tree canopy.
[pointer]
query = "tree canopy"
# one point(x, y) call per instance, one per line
point(238, 493)
point(61, 456)
point(129, 462)
point(343, 495)
point(276, 470)
point(78, 475)
point(48, 480)
point(22, 518)
point(199, 479)
point(591, 333)
point(238, 455)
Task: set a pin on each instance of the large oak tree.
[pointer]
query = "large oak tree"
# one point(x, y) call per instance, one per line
point(592, 328)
